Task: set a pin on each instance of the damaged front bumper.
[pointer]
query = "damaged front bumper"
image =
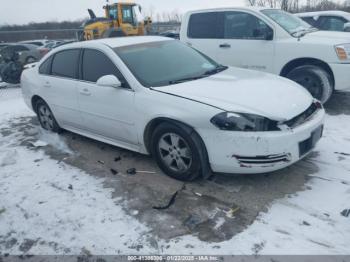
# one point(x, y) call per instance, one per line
point(260, 152)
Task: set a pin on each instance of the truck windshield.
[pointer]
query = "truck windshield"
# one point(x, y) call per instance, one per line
point(164, 63)
point(292, 24)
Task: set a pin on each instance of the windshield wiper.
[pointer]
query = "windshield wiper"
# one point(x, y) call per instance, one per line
point(304, 31)
point(185, 79)
point(216, 70)
point(210, 72)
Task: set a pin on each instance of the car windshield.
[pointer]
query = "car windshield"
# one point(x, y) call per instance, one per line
point(288, 22)
point(163, 63)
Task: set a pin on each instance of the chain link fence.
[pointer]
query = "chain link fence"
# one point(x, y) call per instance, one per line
point(15, 36)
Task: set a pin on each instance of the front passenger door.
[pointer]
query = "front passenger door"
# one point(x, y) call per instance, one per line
point(106, 111)
point(247, 42)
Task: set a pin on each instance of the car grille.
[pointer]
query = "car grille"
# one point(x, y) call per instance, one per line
point(260, 160)
point(303, 117)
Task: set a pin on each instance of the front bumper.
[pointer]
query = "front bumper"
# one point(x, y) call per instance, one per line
point(341, 76)
point(260, 152)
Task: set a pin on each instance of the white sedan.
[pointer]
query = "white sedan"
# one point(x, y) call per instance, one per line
point(157, 96)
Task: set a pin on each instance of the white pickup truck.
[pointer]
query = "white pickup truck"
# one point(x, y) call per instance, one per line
point(273, 41)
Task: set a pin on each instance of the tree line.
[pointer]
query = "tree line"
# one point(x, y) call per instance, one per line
point(295, 6)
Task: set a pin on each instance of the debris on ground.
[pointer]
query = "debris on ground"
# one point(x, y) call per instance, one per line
point(2, 210)
point(342, 153)
point(345, 213)
point(231, 212)
point(171, 202)
point(146, 172)
point(38, 143)
point(198, 194)
point(131, 171)
point(101, 162)
point(306, 223)
point(113, 171)
point(70, 187)
point(117, 159)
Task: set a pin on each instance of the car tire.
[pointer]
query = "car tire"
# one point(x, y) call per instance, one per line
point(178, 153)
point(314, 79)
point(46, 117)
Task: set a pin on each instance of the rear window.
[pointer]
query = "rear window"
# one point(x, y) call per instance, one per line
point(206, 25)
point(65, 63)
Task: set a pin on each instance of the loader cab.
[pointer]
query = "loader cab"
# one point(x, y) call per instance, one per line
point(123, 13)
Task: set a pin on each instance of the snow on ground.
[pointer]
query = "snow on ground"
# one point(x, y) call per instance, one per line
point(55, 208)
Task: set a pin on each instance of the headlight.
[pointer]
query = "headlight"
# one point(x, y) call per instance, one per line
point(243, 122)
point(343, 52)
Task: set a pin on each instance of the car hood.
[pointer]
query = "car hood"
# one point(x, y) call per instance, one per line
point(327, 36)
point(245, 91)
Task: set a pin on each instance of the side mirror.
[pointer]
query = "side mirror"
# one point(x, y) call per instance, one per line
point(110, 81)
point(347, 27)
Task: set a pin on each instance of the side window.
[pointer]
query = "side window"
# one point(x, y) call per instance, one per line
point(240, 25)
point(127, 14)
point(205, 26)
point(96, 64)
point(65, 63)
point(309, 20)
point(20, 48)
point(113, 14)
point(331, 23)
point(45, 67)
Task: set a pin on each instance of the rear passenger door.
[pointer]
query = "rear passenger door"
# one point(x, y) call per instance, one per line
point(59, 82)
point(247, 42)
point(107, 111)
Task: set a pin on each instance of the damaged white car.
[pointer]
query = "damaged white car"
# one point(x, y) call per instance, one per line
point(158, 96)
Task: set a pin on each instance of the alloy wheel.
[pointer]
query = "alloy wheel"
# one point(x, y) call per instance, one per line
point(174, 152)
point(46, 117)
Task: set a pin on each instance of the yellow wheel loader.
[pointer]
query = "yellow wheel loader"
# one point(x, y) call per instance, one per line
point(121, 19)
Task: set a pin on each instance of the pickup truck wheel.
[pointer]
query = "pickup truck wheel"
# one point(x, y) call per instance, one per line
point(315, 79)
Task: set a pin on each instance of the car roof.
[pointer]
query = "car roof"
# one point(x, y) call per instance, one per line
point(116, 42)
point(319, 13)
point(23, 44)
point(36, 40)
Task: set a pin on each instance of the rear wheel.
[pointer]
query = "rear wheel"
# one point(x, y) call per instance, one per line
point(315, 79)
point(46, 117)
point(176, 152)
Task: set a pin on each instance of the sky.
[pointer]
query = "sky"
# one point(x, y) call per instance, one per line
point(25, 11)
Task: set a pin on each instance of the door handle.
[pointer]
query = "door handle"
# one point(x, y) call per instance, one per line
point(85, 92)
point(225, 45)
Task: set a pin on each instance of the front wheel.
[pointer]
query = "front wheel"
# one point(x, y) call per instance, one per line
point(176, 152)
point(315, 79)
